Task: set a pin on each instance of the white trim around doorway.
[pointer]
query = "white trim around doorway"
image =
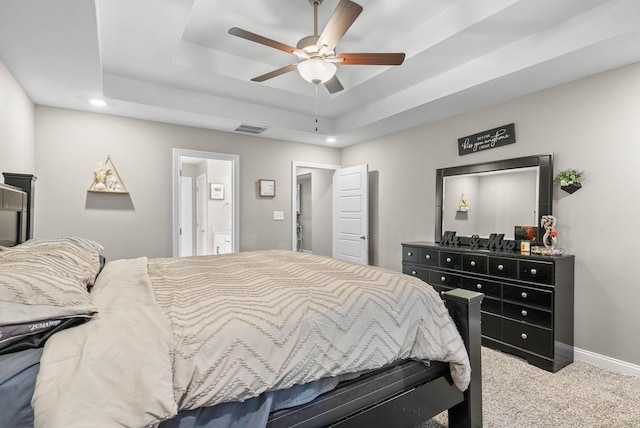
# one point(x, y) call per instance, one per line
point(235, 159)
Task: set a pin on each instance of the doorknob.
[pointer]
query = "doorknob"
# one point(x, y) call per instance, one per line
point(364, 237)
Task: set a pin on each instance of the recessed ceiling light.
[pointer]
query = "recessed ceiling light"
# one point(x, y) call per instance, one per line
point(331, 139)
point(98, 102)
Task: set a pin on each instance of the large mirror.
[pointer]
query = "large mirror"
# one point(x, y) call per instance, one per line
point(507, 196)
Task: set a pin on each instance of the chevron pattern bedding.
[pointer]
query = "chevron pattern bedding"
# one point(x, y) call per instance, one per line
point(184, 333)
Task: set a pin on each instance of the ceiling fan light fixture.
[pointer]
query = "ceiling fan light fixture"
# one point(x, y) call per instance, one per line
point(316, 70)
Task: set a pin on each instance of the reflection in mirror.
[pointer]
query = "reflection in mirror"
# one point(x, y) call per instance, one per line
point(490, 202)
point(494, 197)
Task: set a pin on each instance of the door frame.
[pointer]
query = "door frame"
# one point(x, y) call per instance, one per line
point(235, 203)
point(187, 229)
point(202, 237)
point(294, 188)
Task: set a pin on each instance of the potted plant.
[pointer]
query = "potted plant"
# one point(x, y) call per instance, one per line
point(569, 180)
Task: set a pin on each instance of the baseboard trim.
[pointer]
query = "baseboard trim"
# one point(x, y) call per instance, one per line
point(607, 363)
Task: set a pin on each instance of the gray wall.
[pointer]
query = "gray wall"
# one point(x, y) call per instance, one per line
point(16, 126)
point(322, 185)
point(592, 124)
point(305, 219)
point(69, 143)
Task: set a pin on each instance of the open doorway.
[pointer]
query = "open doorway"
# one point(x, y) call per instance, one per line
point(205, 203)
point(312, 207)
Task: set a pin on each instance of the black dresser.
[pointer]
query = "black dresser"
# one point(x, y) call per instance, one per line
point(528, 305)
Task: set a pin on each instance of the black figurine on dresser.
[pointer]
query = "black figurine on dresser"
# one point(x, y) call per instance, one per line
point(528, 305)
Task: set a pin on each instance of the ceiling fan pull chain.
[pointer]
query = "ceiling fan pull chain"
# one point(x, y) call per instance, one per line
point(316, 108)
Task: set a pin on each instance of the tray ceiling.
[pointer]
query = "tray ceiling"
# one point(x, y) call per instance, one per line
point(173, 60)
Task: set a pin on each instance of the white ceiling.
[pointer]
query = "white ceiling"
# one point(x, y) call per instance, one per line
point(173, 60)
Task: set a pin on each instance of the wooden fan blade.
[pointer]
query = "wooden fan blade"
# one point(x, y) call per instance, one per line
point(370, 58)
point(235, 31)
point(333, 85)
point(275, 73)
point(345, 14)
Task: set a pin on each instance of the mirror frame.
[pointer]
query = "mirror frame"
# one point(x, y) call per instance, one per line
point(545, 184)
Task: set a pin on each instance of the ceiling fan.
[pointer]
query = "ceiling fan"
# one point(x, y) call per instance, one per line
point(317, 53)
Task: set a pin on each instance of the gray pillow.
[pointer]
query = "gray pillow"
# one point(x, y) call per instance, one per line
point(43, 288)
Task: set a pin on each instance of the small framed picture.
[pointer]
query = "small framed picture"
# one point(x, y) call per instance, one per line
point(217, 191)
point(267, 188)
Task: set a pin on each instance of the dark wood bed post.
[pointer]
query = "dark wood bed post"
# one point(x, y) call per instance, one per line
point(26, 182)
point(464, 307)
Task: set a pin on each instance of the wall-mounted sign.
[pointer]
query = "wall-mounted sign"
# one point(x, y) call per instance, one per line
point(495, 137)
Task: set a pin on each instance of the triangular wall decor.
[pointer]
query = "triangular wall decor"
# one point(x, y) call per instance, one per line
point(106, 178)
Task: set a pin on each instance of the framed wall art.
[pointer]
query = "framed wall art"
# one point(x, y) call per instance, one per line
point(217, 191)
point(267, 188)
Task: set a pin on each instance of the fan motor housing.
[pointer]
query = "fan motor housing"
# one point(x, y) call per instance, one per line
point(308, 44)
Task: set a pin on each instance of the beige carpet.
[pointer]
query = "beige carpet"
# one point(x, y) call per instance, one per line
point(517, 394)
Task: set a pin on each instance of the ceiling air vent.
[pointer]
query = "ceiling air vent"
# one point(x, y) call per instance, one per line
point(250, 129)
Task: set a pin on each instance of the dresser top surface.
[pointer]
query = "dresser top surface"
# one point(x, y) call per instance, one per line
point(485, 251)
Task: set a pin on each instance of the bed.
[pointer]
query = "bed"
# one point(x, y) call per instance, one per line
point(264, 338)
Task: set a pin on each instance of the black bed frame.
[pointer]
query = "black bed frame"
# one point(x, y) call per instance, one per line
point(401, 396)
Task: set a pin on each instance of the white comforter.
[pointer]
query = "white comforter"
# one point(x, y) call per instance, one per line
point(175, 334)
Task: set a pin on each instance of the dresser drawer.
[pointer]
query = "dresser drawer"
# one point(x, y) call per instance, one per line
point(410, 254)
point(444, 279)
point(535, 316)
point(428, 256)
point(504, 268)
point(416, 271)
point(533, 271)
point(476, 263)
point(491, 325)
point(450, 260)
point(489, 288)
point(528, 296)
point(491, 305)
point(528, 337)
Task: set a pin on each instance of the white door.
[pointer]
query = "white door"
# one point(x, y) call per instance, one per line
point(186, 222)
point(201, 215)
point(351, 214)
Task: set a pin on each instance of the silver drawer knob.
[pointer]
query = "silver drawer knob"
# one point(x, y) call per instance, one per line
point(409, 253)
point(448, 259)
point(413, 272)
point(500, 267)
point(533, 271)
point(443, 279)
point(479, 286)
point(524, 313)
point(524, 295)
point(473, 262)
point(428, 256)
point(524, 336)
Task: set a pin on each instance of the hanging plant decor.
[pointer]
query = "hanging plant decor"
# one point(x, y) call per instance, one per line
point(569, 180)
